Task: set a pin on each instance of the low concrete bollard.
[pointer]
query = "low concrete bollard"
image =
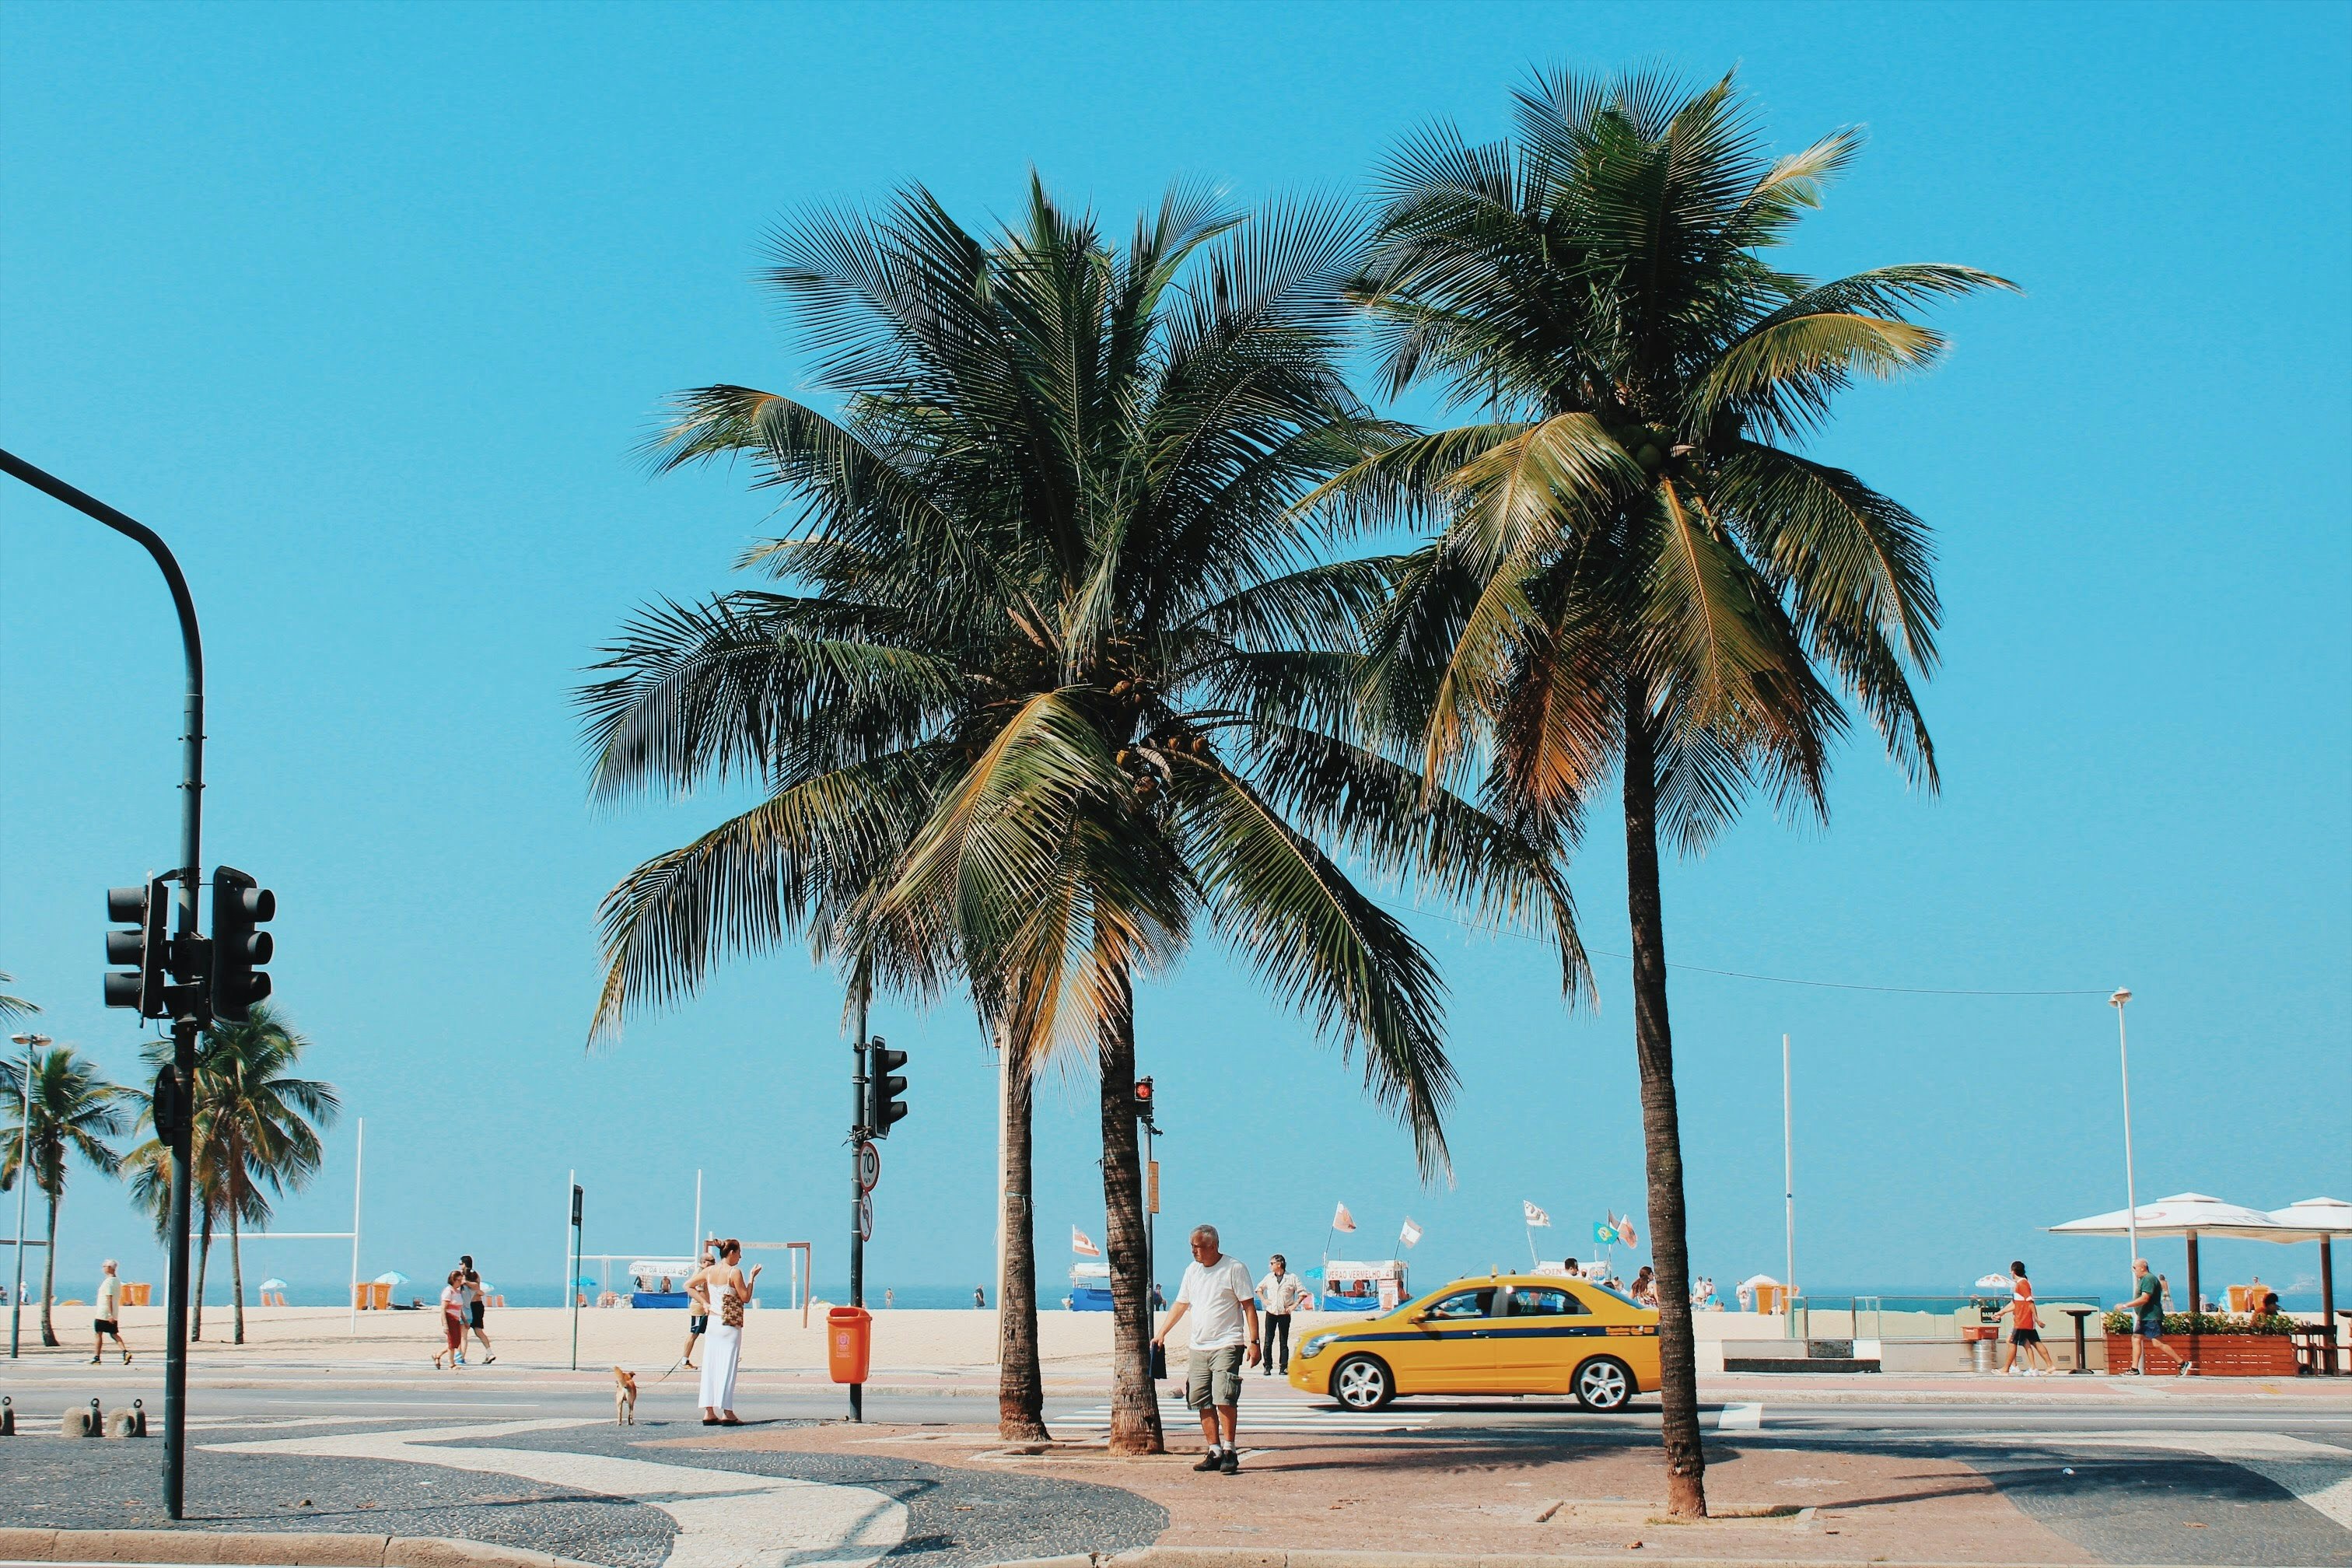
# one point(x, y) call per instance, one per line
point(123, 1424)
point(76, 1423)
point(139, 1408)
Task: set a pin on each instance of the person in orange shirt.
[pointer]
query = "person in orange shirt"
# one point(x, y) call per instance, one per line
point(2025, 1328)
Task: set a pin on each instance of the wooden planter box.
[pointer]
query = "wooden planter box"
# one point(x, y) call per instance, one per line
point(2218, 1355)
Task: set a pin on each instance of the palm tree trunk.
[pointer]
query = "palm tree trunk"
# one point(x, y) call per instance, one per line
point(50, 1273)
point(1660, 1122)
point(1134, 1401)
point(235, 1258)
point(203, 1256)
point(1019, 1374)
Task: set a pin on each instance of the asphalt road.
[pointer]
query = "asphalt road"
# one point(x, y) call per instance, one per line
point(531, 1458)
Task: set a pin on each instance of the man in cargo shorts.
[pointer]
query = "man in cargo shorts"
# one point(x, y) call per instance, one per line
point(1220, 1290)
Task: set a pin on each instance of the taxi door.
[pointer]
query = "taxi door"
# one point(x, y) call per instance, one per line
point(1451, 1350)
point(1544, 1332)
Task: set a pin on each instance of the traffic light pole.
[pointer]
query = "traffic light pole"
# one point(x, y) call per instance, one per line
point(858, 1203)
point(184, 1026)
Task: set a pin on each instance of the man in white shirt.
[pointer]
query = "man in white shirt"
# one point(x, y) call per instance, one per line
point(109, 1320)
point(1279, 1294)
point(1217, 1291)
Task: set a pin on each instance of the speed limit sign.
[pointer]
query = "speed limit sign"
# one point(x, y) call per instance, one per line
point(869, 1167)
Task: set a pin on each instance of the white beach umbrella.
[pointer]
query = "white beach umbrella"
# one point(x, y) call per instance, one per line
point(2183, 1213)
point(392, 1277)
point(2320, 1220)
point(1991, 1282)
point(1753, 1280)
point(2315, 1219)
point(2188, 1216)
point(271, 1284)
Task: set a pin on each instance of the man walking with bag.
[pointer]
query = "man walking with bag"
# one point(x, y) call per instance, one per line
point(1219, 1292)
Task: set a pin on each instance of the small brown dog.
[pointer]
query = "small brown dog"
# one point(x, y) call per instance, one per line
point(624, 1397)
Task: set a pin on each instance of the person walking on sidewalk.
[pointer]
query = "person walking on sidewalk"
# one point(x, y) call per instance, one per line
point(109, 1323)
point(1278, 1295)
point(697, 1308)
point(477, 1302)
point(1217, 1289)
point(2025, 1327)
point(2146, 1307)
point(453, 1321)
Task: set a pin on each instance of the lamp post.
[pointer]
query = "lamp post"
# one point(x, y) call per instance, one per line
point(24, 1181)
point(2123, 1055)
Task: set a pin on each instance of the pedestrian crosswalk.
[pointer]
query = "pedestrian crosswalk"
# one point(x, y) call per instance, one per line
point(1268, 1417)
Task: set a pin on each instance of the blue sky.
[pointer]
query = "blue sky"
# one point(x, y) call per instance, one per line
point(365, 307)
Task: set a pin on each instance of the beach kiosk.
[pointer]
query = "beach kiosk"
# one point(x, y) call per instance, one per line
point(659, 1281)
point(1089, 1287)
point(1363, 1287)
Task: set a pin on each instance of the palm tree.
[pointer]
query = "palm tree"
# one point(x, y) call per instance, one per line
point(1636, 571)
point(13, 1007)
point(254, 1125)
point(74, 1111)
point(149, 1163)
point(1067, 666)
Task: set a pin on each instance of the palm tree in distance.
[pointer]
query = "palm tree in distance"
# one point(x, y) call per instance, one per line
point(260, 1123)
point(73, 1111)
point(148, 1164)
point(1635, 571)
point(254, 1128)
point(1065, 655)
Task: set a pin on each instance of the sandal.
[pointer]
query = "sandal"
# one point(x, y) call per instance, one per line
point(728, 1420)
point(710, 1421)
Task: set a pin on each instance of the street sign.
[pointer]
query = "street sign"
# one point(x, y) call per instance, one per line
point(864, 1219)
point(869, 1168)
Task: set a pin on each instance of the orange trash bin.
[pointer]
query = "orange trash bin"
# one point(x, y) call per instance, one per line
point(848, 1342)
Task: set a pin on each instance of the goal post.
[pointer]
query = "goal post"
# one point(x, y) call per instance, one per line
point(359, 1174)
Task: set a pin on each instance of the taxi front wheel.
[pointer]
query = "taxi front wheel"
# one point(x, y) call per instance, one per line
point(1362, 1383)
point(1603, 1383)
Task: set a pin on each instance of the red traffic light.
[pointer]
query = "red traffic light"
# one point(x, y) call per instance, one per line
point(1143, 1091)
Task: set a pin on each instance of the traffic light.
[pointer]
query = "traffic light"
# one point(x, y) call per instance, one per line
point(883, 1089)
point(239, 904)
point(170, 1107)
point(143, 947)
point(1143, 1094)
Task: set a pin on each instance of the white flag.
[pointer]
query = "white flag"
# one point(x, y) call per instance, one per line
point(1343, 1220)
point(1410, 1233)
point(1081, 1244)
point(1625, 1232)
point(1535, 1214)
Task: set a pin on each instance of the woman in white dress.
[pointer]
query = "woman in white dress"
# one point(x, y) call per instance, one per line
point(730, 1291)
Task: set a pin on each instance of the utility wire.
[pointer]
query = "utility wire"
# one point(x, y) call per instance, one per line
point(1743, 975)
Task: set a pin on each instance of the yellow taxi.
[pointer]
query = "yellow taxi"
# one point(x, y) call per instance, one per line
point(1503, 1333)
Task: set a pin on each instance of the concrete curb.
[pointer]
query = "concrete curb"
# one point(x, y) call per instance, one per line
point(278, 1548)
point(1245, 1557)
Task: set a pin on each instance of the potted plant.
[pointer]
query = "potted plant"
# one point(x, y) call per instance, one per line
point(2219, 1344)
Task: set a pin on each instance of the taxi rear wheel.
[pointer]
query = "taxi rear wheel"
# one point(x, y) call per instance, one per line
point(1362, 1383)
point(1604, 1383)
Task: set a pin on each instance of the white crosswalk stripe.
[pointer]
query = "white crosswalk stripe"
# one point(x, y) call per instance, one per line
point(1287, 1416)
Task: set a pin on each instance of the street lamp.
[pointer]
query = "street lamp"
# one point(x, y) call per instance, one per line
point(24, 1181)
point(2123, 1054)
